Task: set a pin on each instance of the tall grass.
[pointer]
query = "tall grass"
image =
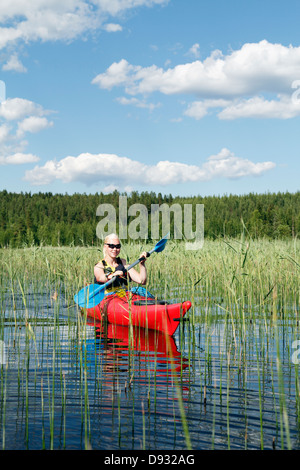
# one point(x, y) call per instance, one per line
point(245, 293)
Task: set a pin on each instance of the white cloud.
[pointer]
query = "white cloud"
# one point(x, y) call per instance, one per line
point(253, 68)
point(258, 107)
point(46, 21)
point(33, 124)
point(227, 165)
point(2, 91)
point(118, 74)
point(194, 50)
point(113, 187)
point(18, 159)
point(114, 7)
point(19, 116)
point(199, 109)
point(115, 171)
point(14, 64)
point(110, 188)
point(113, 28)
point(52, 20)
point(241, 78)
point(18, 108)
point(4, 132)
point(137, 103)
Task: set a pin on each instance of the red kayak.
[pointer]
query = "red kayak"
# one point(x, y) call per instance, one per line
point(137, 310)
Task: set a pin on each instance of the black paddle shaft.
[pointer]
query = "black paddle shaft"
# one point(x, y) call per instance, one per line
point(139, 260)
point(108, 283)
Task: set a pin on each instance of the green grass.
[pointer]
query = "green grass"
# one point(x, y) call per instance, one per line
point(251, 287)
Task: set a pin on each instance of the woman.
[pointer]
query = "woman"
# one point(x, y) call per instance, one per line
point(112, 265)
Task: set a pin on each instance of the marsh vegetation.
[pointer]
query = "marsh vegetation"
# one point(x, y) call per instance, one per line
point(228, 379)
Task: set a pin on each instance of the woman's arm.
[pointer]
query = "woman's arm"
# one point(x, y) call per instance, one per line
point(139, 277)
point(99, 273)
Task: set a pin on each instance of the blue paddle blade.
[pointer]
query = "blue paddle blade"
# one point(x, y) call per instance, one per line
point(90, 296)
point(160, 246)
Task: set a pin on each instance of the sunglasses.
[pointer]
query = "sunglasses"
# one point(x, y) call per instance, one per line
point(112, 246)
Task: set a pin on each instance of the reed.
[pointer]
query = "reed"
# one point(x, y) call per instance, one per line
point(245, 316)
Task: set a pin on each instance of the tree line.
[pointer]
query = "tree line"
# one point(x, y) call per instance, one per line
point(62, 219)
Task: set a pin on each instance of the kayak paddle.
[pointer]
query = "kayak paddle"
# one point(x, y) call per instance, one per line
point(91, 295)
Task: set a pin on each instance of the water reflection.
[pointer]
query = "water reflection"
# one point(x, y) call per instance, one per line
point(68, 384)
point(130, 349)
point(143, 381)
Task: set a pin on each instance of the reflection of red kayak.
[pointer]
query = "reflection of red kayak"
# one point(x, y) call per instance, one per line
point(138, 339)
point(140, 311)
point(153, 347)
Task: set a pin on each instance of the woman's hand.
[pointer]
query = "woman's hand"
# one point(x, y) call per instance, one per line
point(116, 273)
point(144, 256)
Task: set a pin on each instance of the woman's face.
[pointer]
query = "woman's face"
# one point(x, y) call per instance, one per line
point(113, 246)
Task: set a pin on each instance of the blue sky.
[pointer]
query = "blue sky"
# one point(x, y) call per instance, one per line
point(174, 96)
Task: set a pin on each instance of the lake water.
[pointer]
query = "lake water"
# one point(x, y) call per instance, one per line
point(217, 384)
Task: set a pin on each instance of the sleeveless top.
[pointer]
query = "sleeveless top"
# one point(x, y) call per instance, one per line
point(120, 285)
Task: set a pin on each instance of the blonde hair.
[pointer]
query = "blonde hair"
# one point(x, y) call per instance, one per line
point(106, 239)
